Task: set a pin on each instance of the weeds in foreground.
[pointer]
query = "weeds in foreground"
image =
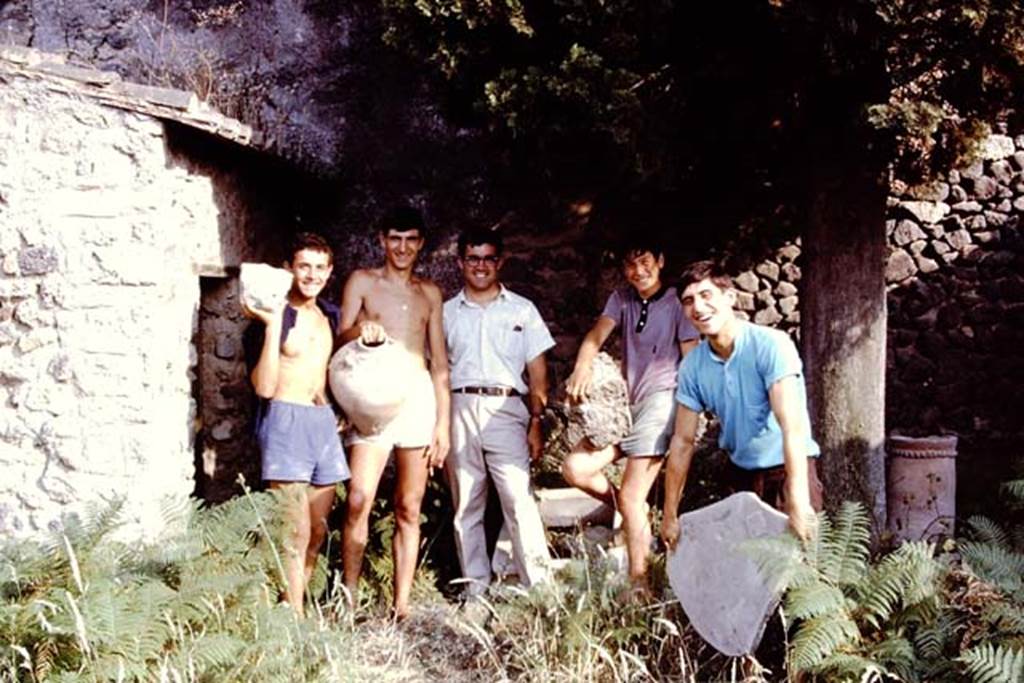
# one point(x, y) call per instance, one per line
point(204, 605)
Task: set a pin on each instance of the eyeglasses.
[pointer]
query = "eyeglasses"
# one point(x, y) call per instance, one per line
point(474, 261)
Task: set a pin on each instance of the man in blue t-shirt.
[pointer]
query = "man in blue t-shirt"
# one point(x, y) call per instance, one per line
point(751, 378)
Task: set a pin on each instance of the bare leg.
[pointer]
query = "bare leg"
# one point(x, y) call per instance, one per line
point(293, 495)
point(640, 474)
point(583, 469)
point(321, 500)
point(366, 463)
point(409, 489)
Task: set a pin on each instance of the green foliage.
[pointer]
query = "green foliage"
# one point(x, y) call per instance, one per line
point(907, 615)
point(617, 81)
point(586, 625)
point(201, 605)
point(988, 663)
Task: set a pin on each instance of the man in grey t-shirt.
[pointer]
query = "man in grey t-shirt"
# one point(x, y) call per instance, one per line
point(656, 335)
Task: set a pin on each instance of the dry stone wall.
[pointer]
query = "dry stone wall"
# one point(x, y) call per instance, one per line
point(100, 225)
point(956, 302)
point(955, 276)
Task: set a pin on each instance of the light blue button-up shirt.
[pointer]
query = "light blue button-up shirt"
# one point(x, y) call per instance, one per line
point(736, 391)
point(490, 345)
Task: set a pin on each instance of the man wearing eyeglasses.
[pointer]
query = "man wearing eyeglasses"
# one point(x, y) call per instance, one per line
point(493, 335)
point(655, 336)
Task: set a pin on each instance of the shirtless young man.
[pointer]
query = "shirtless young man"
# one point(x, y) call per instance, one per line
point(296, 428)
point(377, 303)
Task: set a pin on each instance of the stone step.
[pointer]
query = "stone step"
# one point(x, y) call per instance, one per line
point(569, 507)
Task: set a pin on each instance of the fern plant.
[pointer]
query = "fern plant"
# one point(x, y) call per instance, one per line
point(202, 605)
point(993, 598)
point(907, 615)
point(856, 620)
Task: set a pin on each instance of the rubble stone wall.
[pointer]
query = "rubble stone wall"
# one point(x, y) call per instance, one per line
point(955, 276)
point(102, 233)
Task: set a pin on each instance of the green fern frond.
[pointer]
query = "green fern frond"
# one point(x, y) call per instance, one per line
point(988, 663)
point(904, 577)
point(819, 638)
point(845, 546)
point(931, 639)
point(995, 564)
point(1015, 489)
point(813, 600)
point(1006, 617)
point(896, 655)
point(843, 666)
point(984, 530)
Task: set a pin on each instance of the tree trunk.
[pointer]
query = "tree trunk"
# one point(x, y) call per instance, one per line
point(843, 322)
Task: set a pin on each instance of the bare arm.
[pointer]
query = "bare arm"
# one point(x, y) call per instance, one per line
point(265, 374)
point(784, 397)
point(537, 376)
point(579, 381)
point(439, 373)
point(677, 467)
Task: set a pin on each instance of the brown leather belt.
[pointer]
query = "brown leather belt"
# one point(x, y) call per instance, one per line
point(486, 391)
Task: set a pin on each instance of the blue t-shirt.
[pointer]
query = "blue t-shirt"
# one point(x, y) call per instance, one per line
point(736, 391)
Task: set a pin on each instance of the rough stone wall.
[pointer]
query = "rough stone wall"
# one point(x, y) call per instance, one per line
point(99, 227)
point(956, 301)
point(225, 447)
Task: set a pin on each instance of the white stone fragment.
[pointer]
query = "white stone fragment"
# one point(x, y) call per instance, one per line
point(720, 587)
point(264, 287)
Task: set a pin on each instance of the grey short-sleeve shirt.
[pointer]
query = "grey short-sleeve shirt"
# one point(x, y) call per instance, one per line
point(651, 331)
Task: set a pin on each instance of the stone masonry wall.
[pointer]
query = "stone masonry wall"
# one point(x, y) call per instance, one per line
point(99, 226)
point(956, 303)
point(955, 276)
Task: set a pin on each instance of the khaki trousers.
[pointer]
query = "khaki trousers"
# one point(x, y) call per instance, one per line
point(489, 440)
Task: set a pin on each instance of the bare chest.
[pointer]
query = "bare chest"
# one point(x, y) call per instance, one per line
point(310, 335)
point(398, 308)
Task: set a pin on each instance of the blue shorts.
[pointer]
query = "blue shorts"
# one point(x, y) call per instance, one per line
point(301, 443)
point(653, 423)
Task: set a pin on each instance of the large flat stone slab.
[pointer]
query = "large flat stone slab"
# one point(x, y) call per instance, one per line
point(568, 507)
point(719, 586)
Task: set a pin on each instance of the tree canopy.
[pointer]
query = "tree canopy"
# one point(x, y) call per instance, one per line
point(666, 96)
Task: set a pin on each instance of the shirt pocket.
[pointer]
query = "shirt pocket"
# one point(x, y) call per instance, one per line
point(510, 340)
